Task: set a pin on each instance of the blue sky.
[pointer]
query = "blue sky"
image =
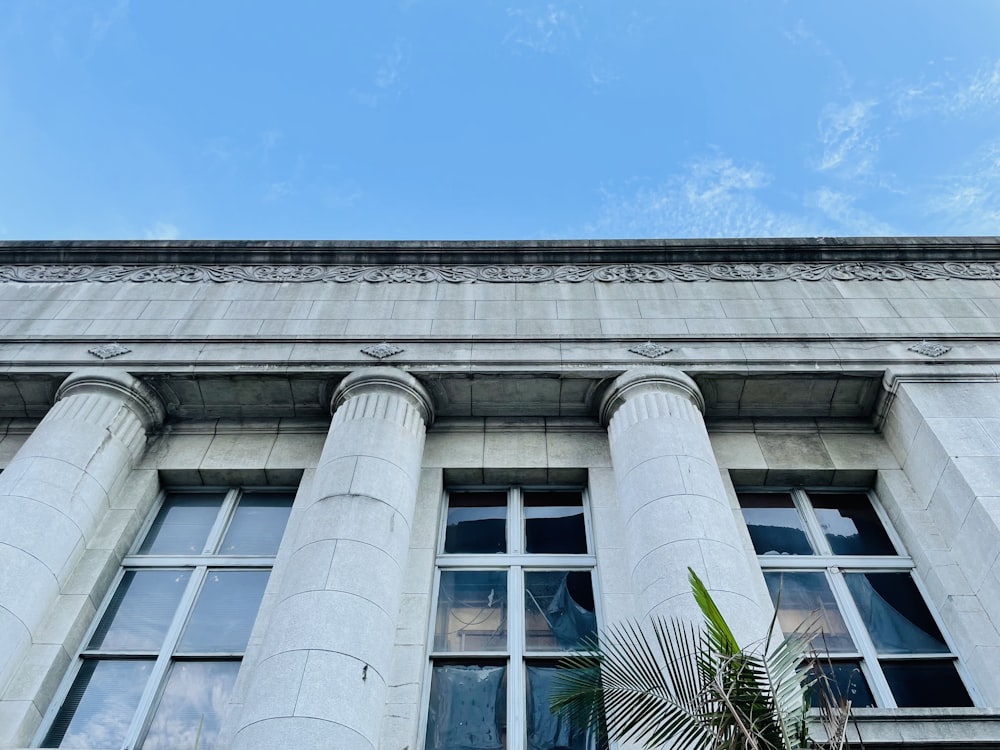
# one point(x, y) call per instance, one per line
point(474, 119)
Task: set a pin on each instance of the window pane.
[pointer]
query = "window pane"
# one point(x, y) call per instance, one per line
point(851, 525)
point(807, 598)
point(258, 523)
point(845, 681)
point(191, 707)
point(99, 707)
point(467, 708)
point(225, 612)
point(553, 523)
point(477, 523)
point(182, 525)
point(547, 730)
point(897, 618)
point(774, 524)
point(559, 609)
point(140, 611)
point(472, 611)
point(925, 682)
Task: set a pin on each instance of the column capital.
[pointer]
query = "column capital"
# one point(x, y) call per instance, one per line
point(140, 398)
point(648, 379)
point(388, 380)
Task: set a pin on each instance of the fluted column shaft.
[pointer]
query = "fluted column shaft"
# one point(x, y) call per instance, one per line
point(674, 504)
point(320, 681)
point(58, 487)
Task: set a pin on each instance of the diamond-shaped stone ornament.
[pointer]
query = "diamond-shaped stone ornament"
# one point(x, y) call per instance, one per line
point(930, 350)
point(107, 351)
point(381, 351)
point(650, 350)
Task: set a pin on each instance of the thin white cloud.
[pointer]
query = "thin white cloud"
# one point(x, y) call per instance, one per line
point(101, 24)
point(547, 29)
point(975, 93)
point(845, 135)
point(386, 80)
point(968, 202)
point(389, 68)
point(840, 209)
point(162, 230)
point(714, 197)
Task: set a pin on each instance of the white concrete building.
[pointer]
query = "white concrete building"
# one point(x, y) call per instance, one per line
point(364, 495)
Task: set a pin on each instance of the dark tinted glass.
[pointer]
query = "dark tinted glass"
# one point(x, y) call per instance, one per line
point(553, 523)
point(546, 729)
point(140, 611)
point(774, 524)
point(559, 609)
point(925, 682)
point(805, 600)
point(472, 611)
point(843, 680)
point(477, 523)
point(258, 523)
point(182, 525)
point(189, 712)
point(225, 612)
point(898, 621)
point(468, 708)
point(99, 707)
point(851, 525)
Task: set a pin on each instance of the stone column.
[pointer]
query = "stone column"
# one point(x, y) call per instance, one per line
point(674, 505)
point(320, 677)
point(58, 487)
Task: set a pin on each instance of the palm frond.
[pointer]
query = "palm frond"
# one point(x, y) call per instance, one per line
point(692, 688)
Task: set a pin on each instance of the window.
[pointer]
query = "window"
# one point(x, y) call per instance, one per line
point(829, 555)
point(159, 663)
point(515, 593)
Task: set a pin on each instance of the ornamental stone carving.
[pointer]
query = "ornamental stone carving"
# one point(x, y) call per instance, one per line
point(507, 274)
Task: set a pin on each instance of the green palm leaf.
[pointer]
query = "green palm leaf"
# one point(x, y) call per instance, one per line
point(695, 689)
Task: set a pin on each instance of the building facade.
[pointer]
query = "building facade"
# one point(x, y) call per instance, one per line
point(365, 495)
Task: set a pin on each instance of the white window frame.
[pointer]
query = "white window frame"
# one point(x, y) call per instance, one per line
point(199, 565)
point(836, 566)
point(516, 562)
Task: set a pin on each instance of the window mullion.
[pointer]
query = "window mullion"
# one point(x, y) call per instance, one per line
point(814, 530)
point(221, 522)
point(157, 678)
point(859, 633)
point(517, 729)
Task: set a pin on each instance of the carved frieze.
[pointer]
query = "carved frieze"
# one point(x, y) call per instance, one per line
point(507, 274)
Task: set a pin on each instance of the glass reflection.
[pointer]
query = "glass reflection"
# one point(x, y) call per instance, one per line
point(898, 620)
point(99, 707)
point(468, 708)
point(225, 612)
point(925, 682)
point(547, 730)
point(258, 523)
point(471, 611)
point(477, 523)
point(851, 525)
point(140, 611)
point(846, 681)
point(183, 523)
point(559, 610)
point(805, 599)
point(191, 707)
point(553, 523)
point(774, 524)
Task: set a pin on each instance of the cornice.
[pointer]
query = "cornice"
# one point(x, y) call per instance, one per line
point(450, 254)
point(855, 270)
